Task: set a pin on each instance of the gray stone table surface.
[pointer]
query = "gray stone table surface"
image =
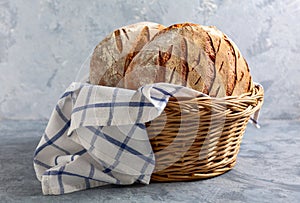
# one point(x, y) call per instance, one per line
point(267, 170)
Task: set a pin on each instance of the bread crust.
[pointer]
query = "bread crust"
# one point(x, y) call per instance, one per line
point(180, 54)
point(231, 67)
point(199, 57)
point(112, 56)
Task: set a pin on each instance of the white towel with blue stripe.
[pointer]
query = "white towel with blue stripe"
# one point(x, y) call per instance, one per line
point(96, 135)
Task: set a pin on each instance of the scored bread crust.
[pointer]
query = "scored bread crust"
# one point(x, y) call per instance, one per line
point(231, 67)
point(196, 56)
point(113, 55)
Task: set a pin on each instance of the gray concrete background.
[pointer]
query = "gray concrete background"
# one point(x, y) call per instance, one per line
point(43, 44)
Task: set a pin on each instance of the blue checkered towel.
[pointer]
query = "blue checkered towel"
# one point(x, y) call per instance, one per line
point(96, 136)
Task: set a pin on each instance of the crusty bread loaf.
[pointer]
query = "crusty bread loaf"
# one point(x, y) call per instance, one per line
point(200, 57)
point(114, 54)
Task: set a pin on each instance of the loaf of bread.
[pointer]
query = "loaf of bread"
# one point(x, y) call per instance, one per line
point(113, 55)
point(199, 57)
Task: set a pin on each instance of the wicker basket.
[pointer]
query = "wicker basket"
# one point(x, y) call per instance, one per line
point(200, 138)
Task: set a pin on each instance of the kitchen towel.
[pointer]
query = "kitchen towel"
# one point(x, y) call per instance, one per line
point(96, 135)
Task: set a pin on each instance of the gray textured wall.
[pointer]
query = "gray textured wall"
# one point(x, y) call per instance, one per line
point(43, 44)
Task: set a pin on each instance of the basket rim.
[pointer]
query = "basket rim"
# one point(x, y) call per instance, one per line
point(245, 104)
point(257, 91)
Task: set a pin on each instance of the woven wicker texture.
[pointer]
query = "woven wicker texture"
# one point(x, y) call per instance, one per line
point(200, 138)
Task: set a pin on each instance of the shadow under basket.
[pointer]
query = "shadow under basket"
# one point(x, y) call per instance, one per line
point(200, 138)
